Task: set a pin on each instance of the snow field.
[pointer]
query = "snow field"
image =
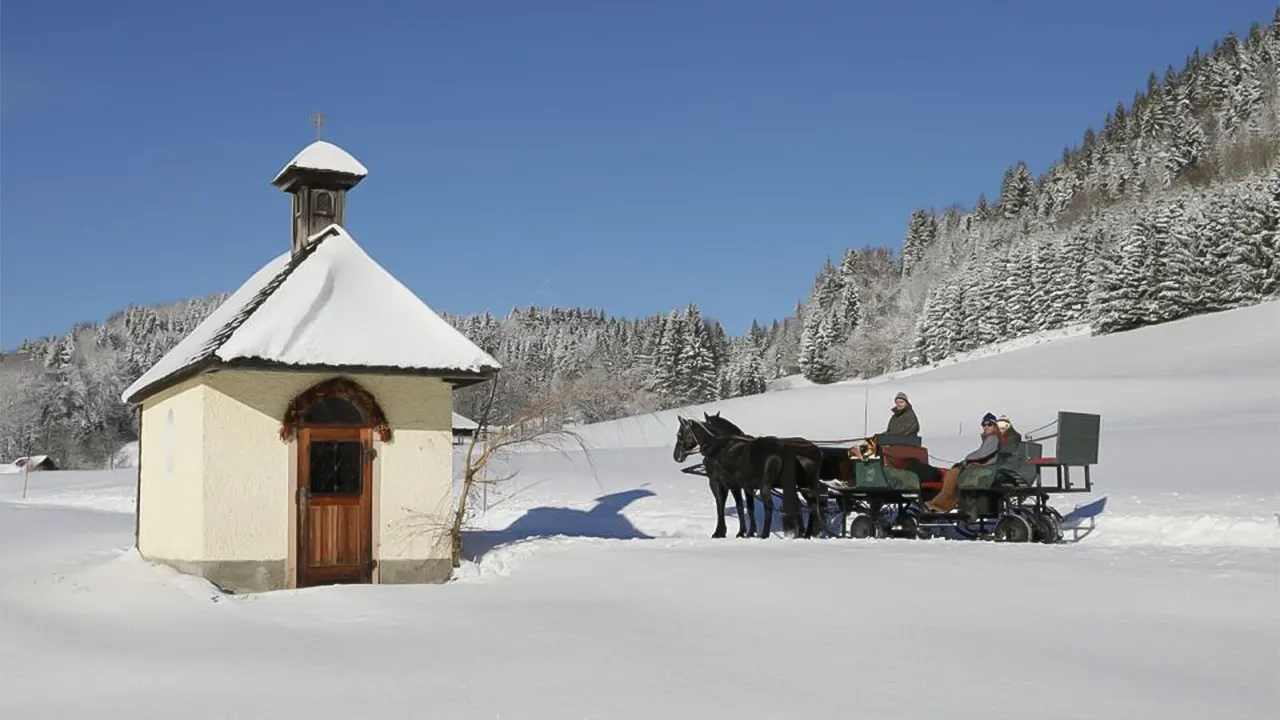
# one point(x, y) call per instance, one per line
point(593, 589)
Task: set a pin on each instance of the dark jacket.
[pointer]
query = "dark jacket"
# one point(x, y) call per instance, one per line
point(903, 422)
point(986, 451)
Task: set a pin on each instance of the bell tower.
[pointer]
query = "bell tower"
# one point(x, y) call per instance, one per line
point(318, 178)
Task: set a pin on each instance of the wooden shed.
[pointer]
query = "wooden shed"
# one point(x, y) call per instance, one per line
point(35, 463)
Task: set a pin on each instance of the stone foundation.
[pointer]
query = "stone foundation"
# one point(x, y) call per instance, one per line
point(234, 576)
point(252, 576)
point(392, 572)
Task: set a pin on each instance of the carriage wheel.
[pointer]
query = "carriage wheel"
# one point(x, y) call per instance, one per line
point(863, 526)
point(1047, 527)
point(1012, 528)
point(908, 526)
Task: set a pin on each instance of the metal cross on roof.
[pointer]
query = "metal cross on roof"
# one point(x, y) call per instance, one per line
point(317, 119)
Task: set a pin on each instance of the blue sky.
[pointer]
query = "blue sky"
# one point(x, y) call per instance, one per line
point(625, 156)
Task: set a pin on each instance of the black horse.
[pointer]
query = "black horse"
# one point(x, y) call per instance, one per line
point(834, 463)
point(816, 464)
point(720, 481)
point(751, 464)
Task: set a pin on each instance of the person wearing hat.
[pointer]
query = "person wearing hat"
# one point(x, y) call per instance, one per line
point(1007, 432)
point(903, 421)
point(947, 497)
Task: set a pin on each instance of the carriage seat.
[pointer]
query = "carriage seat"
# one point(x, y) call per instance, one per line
point(1014, 464)
point(898, 455)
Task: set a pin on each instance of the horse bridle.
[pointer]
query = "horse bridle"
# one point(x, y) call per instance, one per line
point(698, 443)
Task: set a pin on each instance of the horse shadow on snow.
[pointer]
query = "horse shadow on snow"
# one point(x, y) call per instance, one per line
point(604, 521)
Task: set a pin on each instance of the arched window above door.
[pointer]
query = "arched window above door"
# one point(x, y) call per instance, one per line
point(334, 410)
point(338, 401)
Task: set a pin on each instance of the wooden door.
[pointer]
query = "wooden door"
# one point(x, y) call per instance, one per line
point(335, 505)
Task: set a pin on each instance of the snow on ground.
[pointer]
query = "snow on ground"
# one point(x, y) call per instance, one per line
point(126, 456)
point(596, 593)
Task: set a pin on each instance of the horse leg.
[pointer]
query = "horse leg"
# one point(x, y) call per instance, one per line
point(737, 503)
point(804, 525)
point(718, 491)
point(790, 498)
point(817, 510)
point(766, 496)
point(751, 509)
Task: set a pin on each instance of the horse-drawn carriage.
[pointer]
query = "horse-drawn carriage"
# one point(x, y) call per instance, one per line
point(886, 495)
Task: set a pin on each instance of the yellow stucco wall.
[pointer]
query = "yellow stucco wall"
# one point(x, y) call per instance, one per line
point(415, 495)
point(239, 467)
point(170, 495)
point(246, 475)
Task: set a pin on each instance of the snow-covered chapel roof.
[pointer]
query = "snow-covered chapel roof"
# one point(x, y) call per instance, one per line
point(325, 156)
point(328, 306)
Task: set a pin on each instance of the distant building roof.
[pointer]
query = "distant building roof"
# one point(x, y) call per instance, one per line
point(328, 306)
point(461, 422)
point(35, 461)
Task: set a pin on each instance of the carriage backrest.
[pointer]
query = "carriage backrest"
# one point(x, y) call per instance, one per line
point(1078, 435)
point(884, 439)
point(898, 455)
point(1012, 457)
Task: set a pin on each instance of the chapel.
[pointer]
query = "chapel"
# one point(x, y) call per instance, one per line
point(303, 433)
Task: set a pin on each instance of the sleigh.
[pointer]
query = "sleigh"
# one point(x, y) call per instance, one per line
point(1007, 500)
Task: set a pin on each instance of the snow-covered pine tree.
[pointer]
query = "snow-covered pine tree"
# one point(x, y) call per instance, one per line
point(823, 368)
point(1076, 274)
point(948, 328)
point(1018, 292)
point(1122, 289)
point(1015, 191)
point(982, 208)
point(699, 378)
point(1269, 240)
point(818, 337)
point(751, 376)
point(1170, 266)
point(922, 232)
point(1186, 145)
point(849, 303)
point(993, 318)
point(745, 373)
point(1251, 254)
point(664, 380)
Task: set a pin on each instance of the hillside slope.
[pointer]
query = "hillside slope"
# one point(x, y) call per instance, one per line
point(1169, 395)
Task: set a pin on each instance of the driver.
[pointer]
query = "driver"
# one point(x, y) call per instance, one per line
point(903, 421)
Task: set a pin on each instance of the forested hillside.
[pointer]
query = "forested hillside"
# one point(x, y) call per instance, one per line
point(61, 395)
point(1169, 208)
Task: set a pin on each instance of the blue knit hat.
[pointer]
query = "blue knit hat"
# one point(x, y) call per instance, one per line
point(988, 418)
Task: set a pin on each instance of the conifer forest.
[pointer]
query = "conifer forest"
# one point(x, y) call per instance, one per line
point(1170, 207)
